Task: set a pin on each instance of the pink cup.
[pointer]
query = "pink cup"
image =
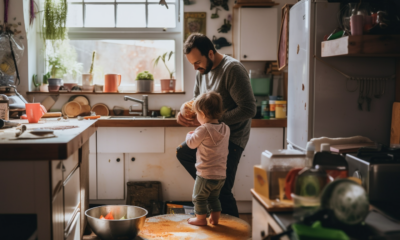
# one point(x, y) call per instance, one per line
point(34, 112)
point(356, 25)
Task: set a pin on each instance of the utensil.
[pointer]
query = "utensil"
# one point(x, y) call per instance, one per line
point(127, 228)
point(34, 112)
point(112, 82)
point(369, 94)
point(52, 115)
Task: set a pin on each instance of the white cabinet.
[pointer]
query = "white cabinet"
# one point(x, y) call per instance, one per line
point(93, 143)
point(130, 140)
point(92, 176)
point(110, 176)
point(260, 140)
point(255, 34)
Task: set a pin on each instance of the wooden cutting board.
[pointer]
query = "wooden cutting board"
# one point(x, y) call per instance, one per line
point(395, 129)
point(72, 109)
point(350, 148)
point(101, 109)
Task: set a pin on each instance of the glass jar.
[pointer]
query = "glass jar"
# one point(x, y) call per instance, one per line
point(265, 109)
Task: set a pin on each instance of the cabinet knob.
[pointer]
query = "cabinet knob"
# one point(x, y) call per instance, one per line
point(118, 159)
point(262, 233)
point(244, 56)
point(133, 159)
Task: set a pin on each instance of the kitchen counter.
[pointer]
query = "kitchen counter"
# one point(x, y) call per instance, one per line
point(376, 224)
point(171, 122)
point(60, 147)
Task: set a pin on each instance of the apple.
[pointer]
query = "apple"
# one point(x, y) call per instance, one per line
point(165, 111)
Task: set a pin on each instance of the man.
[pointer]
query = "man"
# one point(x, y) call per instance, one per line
point(228, 77)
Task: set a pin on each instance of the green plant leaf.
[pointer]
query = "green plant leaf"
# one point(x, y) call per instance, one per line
point(170, 54)
point(163, 56)
point(156, 61)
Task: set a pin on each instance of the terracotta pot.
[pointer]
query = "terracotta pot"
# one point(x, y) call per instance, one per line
point(44, 88)
point(168, 85)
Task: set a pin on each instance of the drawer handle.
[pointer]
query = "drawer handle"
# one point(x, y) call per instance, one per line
point(133, 159)
point(118, 159)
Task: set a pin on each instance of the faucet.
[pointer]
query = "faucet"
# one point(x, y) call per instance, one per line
point(144, 102)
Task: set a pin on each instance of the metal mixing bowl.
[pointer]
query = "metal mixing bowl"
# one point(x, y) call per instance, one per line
point(127, 228)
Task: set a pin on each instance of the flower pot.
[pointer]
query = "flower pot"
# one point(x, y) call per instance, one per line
point(44, 88)
point(55, 81)
point(144, 85)
point(167, 85)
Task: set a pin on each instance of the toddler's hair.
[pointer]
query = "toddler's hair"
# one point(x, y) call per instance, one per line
point(210, 104)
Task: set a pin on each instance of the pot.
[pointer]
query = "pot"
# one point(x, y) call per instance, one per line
point(167, 85)
point(144, 86)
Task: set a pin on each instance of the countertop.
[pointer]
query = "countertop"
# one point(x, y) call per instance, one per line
point(376, 224)
point(171, 122)
point(61, 147)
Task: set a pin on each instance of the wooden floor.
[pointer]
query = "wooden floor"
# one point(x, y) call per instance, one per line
point(246, 217)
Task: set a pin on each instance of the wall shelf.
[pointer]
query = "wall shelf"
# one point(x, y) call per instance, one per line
point(362, 46)
point(103, 93)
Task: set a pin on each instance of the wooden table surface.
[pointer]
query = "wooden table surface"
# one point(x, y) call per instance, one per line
point(61, 147)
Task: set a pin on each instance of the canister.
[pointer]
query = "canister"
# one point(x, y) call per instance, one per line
point(265, 109)
point(280, 109)
point(271, 109)
point(4, 107)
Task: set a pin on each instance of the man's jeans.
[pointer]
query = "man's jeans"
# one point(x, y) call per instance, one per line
point(205, 195)
point(187, 157)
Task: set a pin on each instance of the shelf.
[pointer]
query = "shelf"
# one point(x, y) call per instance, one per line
point(362, 46)
point(103, 93)
point(265, 4)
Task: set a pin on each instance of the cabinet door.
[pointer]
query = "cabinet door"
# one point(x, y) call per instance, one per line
point(72, 196)
point(57, 211)
point(110, 176)
point(258, 34)
point(74, 231)
point(130, 140)
point(92, 176)
point(260, 216)
point(93, 143)
point(261, 139)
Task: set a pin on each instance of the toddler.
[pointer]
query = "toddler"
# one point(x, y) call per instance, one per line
point(211, 140)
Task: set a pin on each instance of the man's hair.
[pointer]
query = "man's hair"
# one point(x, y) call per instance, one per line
point(210, 104)
point(199, 41)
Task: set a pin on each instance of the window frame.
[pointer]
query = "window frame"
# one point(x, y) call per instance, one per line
point(115, 33)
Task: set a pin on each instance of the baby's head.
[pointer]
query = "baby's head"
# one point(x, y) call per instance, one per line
point(208, 107)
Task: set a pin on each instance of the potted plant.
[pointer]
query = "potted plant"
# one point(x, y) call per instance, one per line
point(167, 85)
point(45, 84)
point(144, 82)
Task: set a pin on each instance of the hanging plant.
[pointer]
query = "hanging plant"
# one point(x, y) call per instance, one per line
point(55, 20)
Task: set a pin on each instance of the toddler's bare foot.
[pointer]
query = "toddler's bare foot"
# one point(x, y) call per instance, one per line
point(199, 220)
point(214, 218)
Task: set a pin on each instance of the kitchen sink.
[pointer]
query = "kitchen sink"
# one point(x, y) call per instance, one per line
point(121, 117)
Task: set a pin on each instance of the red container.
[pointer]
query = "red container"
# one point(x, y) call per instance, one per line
point(34, 112)
point(168, 85)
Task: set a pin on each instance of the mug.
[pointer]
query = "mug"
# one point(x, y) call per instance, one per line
point(112, 82)
point(356, 25)
point(34, 112)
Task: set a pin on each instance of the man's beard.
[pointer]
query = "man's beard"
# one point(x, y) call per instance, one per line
point(209, 66)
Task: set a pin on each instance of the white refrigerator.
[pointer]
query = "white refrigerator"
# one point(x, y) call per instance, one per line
point(320, 104)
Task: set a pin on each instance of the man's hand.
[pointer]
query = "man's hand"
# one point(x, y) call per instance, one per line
point(187, 123)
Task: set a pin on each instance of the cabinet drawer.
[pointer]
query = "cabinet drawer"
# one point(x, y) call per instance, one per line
point(70, 164)
point(73, 232)
point(58, 212)
point(260, 216)
point(56, 174)
point(130, 140)
point(71, 196)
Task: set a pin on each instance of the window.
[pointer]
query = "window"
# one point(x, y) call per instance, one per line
point(127, 36)
point(122, 14)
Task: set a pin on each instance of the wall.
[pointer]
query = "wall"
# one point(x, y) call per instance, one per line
point(155, 101)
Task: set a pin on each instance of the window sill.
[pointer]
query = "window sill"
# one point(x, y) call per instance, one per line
point(102, 93)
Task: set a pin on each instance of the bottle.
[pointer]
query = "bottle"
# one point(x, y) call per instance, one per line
point(265, 109)
point(271, 109)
